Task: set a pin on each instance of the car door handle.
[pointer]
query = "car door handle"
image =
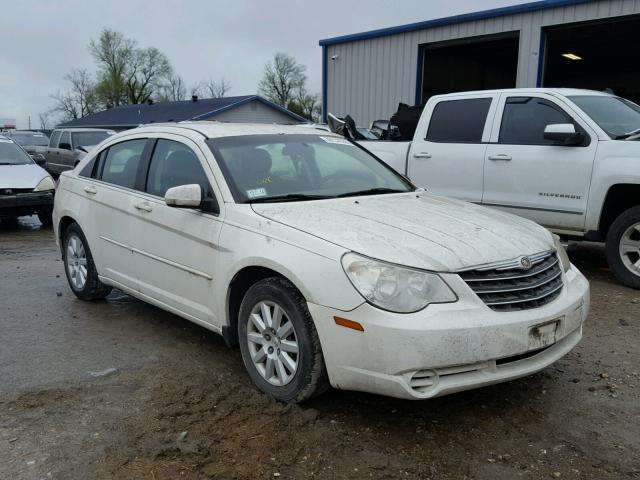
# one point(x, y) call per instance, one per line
point(91, 190)
point(422, 155)
point(144, 206)
point(501, 156)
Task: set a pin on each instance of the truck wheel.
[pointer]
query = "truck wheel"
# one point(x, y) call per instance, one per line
point(279, 342)
point(79, 267)
point(623, 248)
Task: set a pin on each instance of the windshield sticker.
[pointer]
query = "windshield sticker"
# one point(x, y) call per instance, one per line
point(337, 140)
point(2, 140)
point(256, 193)
point(38, 135)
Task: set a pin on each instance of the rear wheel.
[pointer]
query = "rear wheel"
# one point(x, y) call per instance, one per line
point(79, 267)
point(279, 343)
point(623, 247)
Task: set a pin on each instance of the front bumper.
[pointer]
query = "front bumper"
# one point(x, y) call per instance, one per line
point(25, 203)
point(446, 348)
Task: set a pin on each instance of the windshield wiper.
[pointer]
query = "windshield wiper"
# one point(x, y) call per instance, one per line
point(627, 135)
point(289, 197)
point(371, 191)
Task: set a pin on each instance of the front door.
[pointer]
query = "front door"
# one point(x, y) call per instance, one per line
point(528, 175)
point(176, 249)
point(447, 153)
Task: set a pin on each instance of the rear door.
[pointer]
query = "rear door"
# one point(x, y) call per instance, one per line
point(65, 156)
point(448, 150)
point(176, 249)
point(533, 177)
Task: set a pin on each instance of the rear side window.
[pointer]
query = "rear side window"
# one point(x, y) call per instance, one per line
point(120, 164)
point(174, 164)
point(525, 118)
point(65, 141)
point(458, 121)
point(53, 142)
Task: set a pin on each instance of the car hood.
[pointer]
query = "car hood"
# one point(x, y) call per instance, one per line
point(21, 176)
point(415, 229)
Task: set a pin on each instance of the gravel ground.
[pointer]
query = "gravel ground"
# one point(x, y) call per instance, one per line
point(120, 389)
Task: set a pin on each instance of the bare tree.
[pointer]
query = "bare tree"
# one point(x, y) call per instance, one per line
point(283, 76)
point(173, 89)
point(80, 99)
point(144, 74)
point(305, 104)
point(217, 88)
point(45, 119)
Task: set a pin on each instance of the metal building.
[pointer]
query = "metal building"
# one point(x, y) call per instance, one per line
point(552, 43)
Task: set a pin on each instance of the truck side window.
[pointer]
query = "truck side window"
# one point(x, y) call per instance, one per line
point(524, 120)
point(53, 141)
point(458, 121)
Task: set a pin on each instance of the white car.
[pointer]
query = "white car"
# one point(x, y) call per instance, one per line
point(25, 187)
point(320, 261)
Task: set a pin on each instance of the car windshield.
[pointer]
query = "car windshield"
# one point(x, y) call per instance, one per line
point(263, 168)
point(617, 116)
point(12, 154)
point(30, 139)
point(88, 139)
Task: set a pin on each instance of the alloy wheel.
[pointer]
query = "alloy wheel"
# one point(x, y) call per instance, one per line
point(272, 342)
point(76, 260)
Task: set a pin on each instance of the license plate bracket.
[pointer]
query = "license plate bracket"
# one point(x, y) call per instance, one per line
point(543, 335)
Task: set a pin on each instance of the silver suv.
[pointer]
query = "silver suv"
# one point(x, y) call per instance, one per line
point(67, 146)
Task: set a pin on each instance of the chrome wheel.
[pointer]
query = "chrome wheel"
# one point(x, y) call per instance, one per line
point(630, 248)
point(272, 342)
point(76, 260)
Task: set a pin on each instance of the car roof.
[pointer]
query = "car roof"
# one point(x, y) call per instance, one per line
point(522, 91)
point(82, 129)
point(213, 129)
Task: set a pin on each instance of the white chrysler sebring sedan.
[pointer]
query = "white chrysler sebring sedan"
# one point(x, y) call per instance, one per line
point(323, 264)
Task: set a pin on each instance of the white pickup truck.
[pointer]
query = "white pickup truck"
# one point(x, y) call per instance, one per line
point(567, 159)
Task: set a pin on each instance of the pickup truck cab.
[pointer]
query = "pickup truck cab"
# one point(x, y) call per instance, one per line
point(568, 159)
point(67, 146)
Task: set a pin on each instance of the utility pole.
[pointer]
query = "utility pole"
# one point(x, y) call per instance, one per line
point(29, 122)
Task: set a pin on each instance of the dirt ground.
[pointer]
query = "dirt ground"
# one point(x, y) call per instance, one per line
point(120, 389)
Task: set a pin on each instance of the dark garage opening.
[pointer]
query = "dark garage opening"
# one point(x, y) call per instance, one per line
point(469, 64)
point(607, 56)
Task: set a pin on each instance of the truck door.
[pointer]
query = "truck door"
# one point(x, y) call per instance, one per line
point(448, 149)
point(531, 176)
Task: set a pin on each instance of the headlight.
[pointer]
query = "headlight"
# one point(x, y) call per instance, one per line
point(394, 288)
point(45, 185)
point(562, 253)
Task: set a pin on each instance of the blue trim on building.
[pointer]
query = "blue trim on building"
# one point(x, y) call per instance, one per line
point(419, 74)
point(541, 53)
point(325, 78)
point(249, 99)
point(439, 22)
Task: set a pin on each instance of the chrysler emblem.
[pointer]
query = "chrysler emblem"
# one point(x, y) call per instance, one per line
point(525, 263)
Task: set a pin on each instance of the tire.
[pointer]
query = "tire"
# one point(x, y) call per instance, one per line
point(275, 345)
point(623, 236)
point(45, 218)
point(74, 242)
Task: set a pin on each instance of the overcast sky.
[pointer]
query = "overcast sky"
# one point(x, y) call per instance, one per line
point(41, 41)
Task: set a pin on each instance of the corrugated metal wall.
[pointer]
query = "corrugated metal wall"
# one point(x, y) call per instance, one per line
point(253, 112)
point(369, 77)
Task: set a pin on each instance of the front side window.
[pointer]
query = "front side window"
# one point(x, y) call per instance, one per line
point(458, 121)
point(53, 143)
point(525, 118)
point(301, 167)
point(120, 163)
point(174, 164)
point(12, 154)
point(618, 117)
point(65, 141)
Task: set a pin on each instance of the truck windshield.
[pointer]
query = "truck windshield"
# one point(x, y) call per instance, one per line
point(271, 168)
point(618, 117)
point(11, 154)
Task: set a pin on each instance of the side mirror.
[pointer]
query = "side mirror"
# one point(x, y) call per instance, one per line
point(562, 133)
point(184, 196)
point(64, 146)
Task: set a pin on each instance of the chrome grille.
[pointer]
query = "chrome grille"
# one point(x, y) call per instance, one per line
point(508, 287)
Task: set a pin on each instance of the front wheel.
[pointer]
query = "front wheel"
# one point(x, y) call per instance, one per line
point(45, 218)
point(623, 248)
point(279, 342)
point(79, 267)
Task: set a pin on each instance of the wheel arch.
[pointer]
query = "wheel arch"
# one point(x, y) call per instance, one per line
point(619, 197)
point(63, 224)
